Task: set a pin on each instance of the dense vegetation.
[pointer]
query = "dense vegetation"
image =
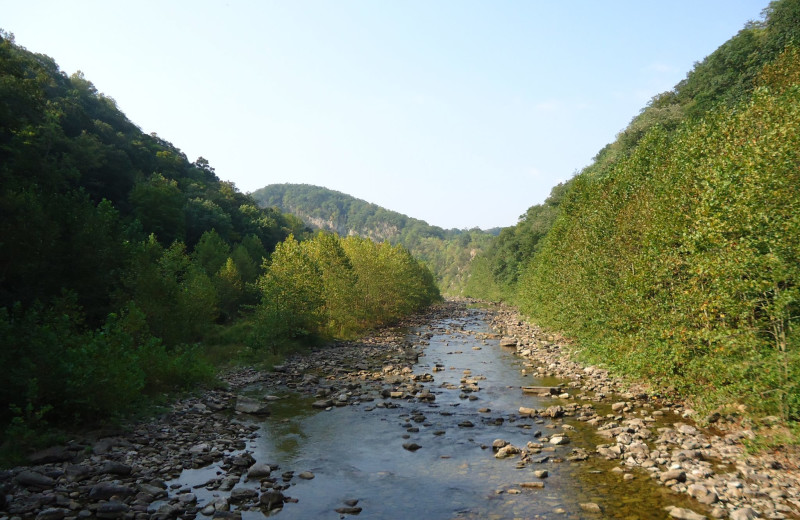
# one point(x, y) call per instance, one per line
point(121, 261)
point(675, 256)
point(447, 252)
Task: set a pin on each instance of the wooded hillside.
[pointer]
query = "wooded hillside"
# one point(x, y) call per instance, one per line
point(675, 256)
point(121, 260)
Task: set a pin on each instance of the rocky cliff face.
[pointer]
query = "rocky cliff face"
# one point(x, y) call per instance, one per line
point(381, 232)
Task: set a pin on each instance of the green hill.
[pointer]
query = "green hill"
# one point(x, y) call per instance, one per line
point(675, 256)
point(447, 252)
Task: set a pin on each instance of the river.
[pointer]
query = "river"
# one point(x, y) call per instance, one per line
point(356, 452)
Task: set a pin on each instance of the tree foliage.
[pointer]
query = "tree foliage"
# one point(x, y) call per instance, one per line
point(674, 255)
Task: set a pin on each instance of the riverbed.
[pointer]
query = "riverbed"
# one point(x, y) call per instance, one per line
point(448, 468)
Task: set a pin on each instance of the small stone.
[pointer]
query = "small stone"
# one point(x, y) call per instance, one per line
point(532, 485)
point(683, 514)
point(411, 446)
point(112, 510)
point(52, 513)
point(498, 443)
point(745, 513)
point(306, 475)
point(559, 440)
point(541, 473)
point(322, 404)
point(348, 510)
point(591, 507)
point(116, 468)
point(673, 474)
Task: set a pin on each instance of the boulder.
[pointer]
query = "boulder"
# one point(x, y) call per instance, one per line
point(33, 479)
point(258, 470)
point(112, 510)
point(106, 490)
point(51, 455)
point(251, 406)
point(271, 500)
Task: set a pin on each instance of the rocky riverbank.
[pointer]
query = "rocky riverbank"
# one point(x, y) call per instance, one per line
point(710, 464)
point(131, 474)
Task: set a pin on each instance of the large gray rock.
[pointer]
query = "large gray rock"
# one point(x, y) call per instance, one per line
point(106, 490)
point(52, 513)
point(251, 406)
point(272, 499)
point(258, 470)
point(29, 478)
point(112, 510)
point(684, 514)
point(116, 468)
point(50, 455)
point(241, 494)
point(745, 513)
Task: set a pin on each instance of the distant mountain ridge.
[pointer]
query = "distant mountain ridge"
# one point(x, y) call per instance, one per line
point(330, 210)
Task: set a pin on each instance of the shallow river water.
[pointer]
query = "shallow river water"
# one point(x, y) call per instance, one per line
point(356, 452)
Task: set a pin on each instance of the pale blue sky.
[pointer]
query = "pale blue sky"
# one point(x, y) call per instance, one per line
point(461, 113)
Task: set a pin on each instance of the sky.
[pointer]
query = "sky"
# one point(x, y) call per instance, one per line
point(462, 113)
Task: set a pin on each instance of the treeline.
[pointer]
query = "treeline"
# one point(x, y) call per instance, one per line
point(447, 252)
point(675, 256)
point(338, 287)
point(121, 261)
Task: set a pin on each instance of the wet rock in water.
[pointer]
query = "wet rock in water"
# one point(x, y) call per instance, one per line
point(154, 491)
point(683, 514)
point(498, 443)
point(348, 510)
point(272, 500)
point(541, 473)
point(241, 494)
point(306, 475)
point(466, 424)
point(251, 406)
point(228, 515)
point(508, 342)
point(591, 507)
point(32, 479)
point(322, 404)
point(411, 446)
point(559, 440)
point(258, 470)
point(187, 498)
point(507, 451)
